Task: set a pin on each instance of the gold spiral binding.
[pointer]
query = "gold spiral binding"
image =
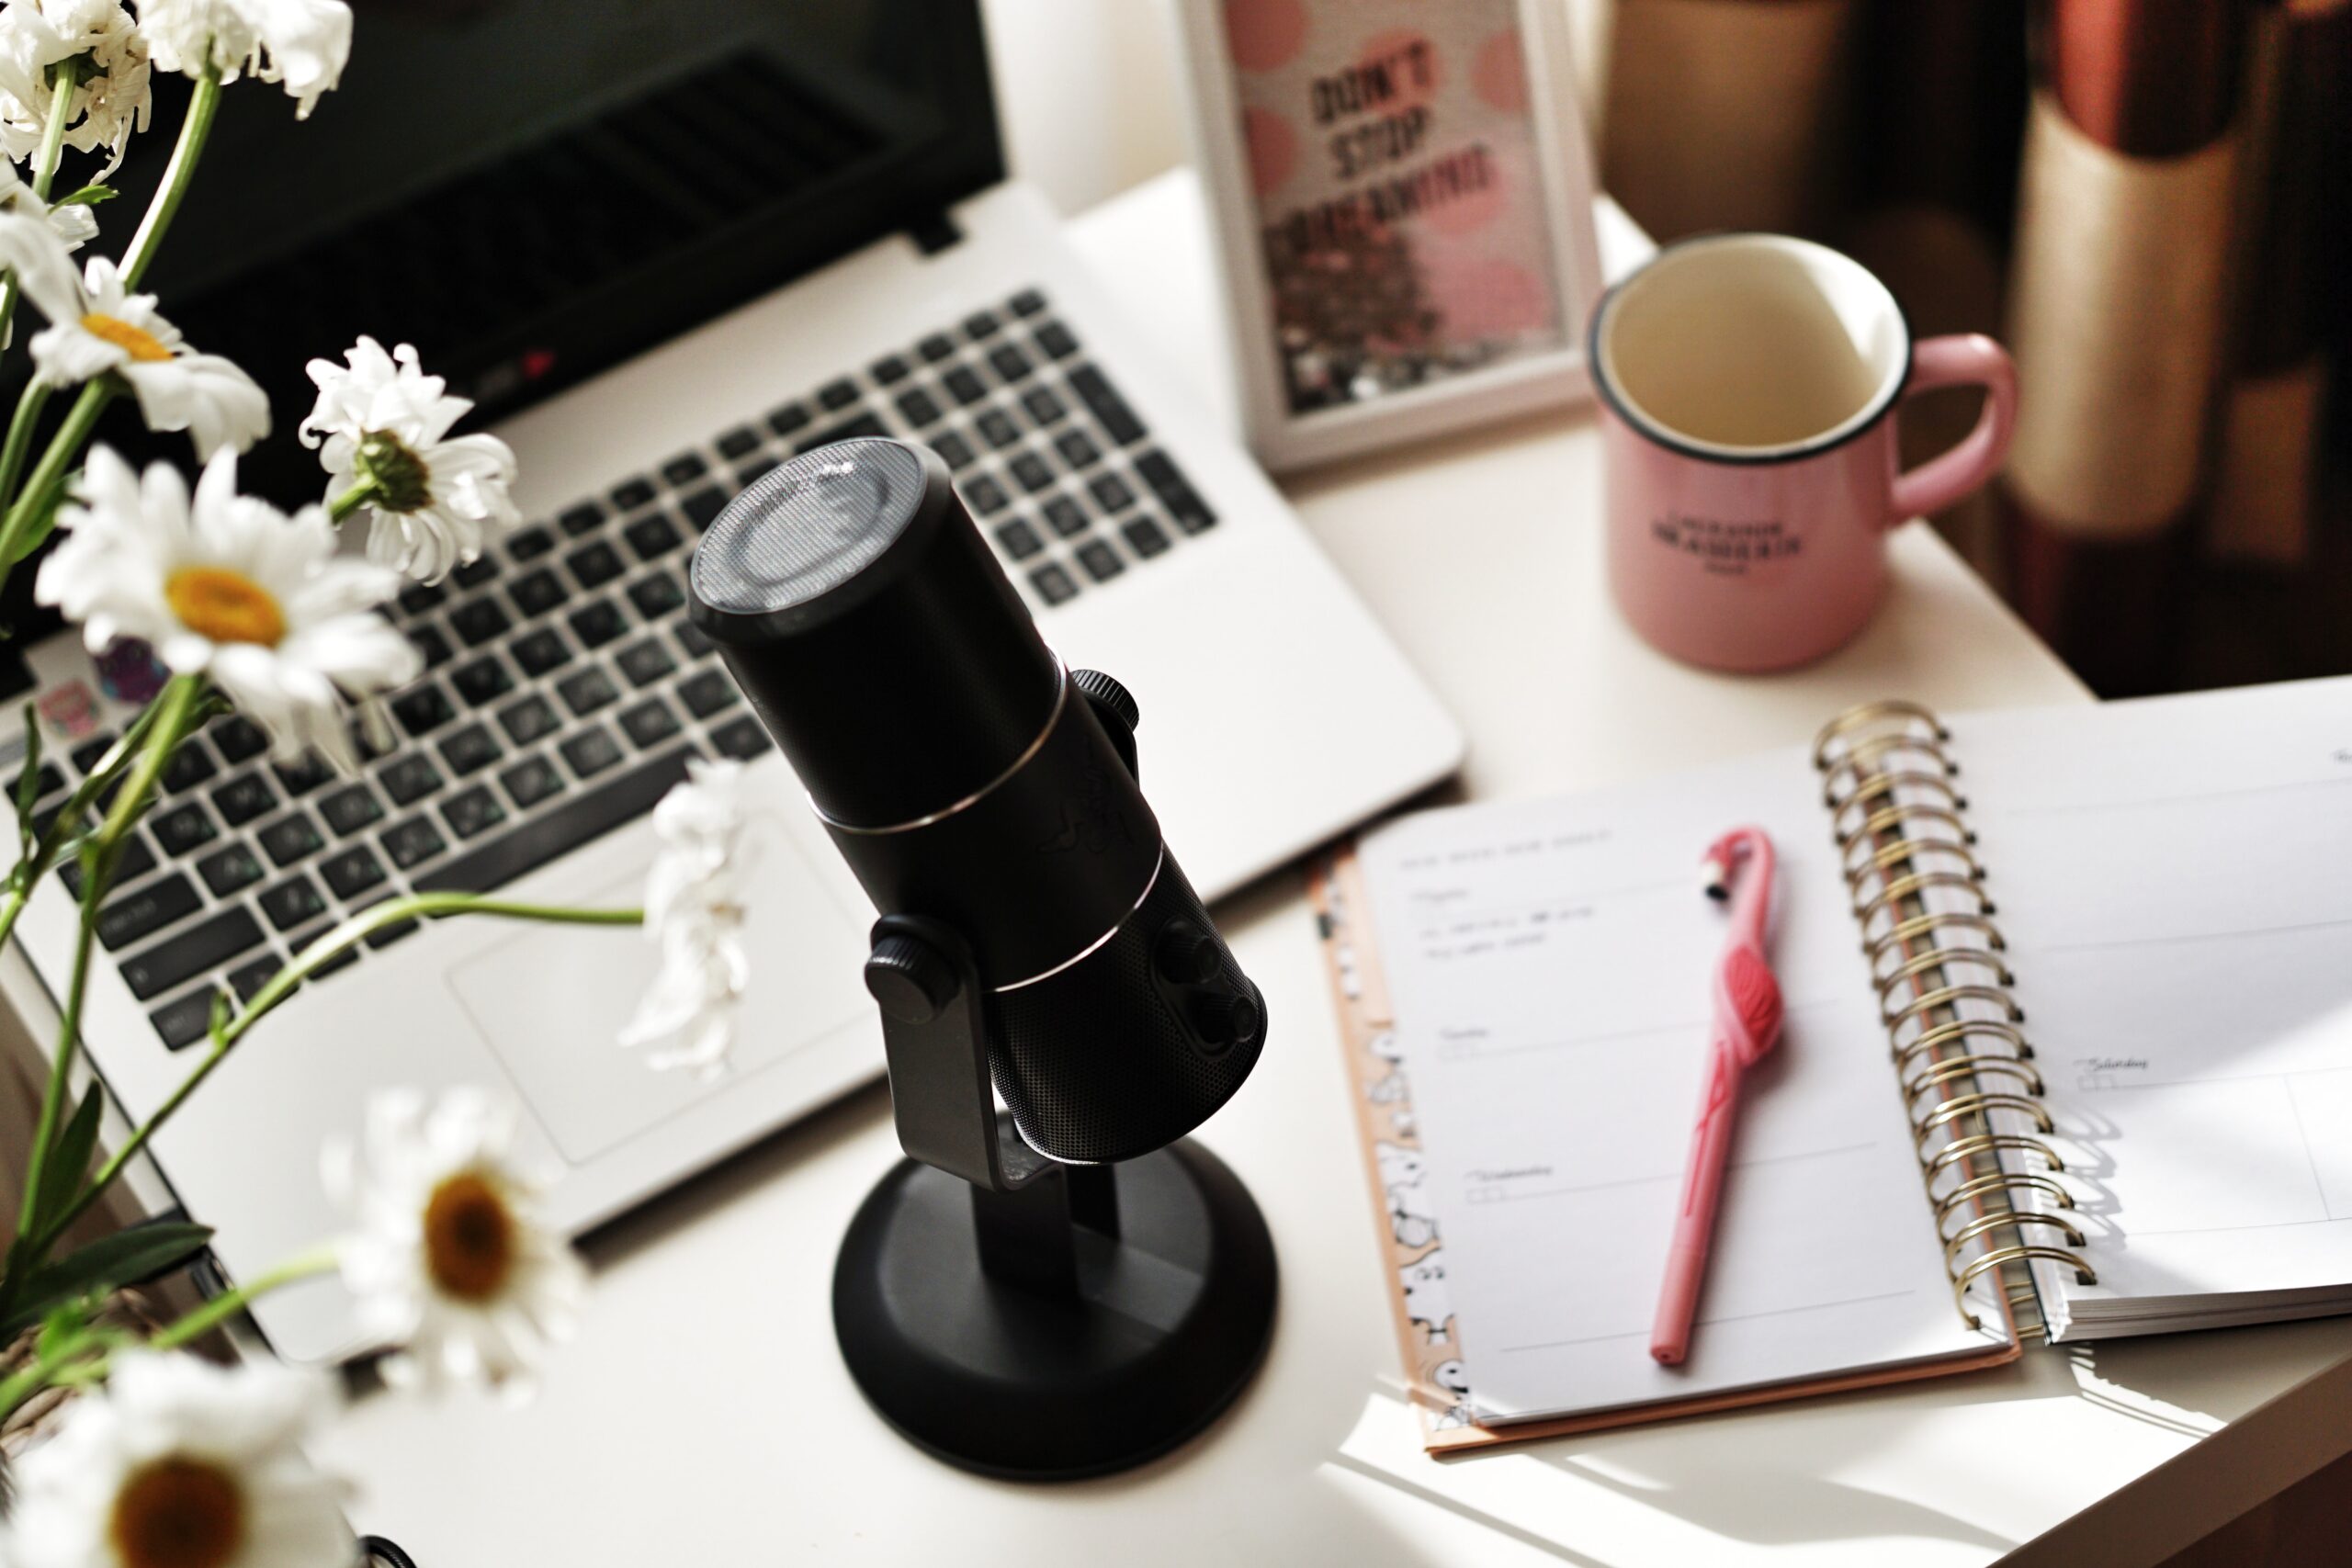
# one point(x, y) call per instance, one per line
point(1972, 1098)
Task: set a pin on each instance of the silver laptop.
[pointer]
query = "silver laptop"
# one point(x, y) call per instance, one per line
point(566, 688)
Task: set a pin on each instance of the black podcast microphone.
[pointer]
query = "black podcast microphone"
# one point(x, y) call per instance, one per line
point(1058, 1316)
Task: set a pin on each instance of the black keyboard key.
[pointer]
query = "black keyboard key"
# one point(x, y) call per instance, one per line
point(475, 572)
point(241, 799)
point(581, 519)
point(530, 544)
point(1077, 448)
point(1175, 492)
point(135, 861)
point(1053, 585)
point(1110, 410)
point(208, 945)
point(527, 720)
point(738, 442)
point(290, 839)
point(1019, 539)
point(413, 841)
point(291, 902)
point(591, 752)
point(184, 1022)
point(409, 779)
point(691, 639)
point(918, 407)
point(227, 869)
point(889, 369)
point(587, 815)
point(1144, 536)
point(431, 645)
point(1045, 405)
point(184, 829)
point(657, 596)
point(703, 507)
point(837, 394)
point(238, 738)
point(473, 813)
point(144, 911)
point(789, 418)
point(1028, 302)
point(706, 693)
point(985, 495)
point(1066, 517)
point(483, 681)
point(996, 428)
point(1030, 471)
point(1101, 561)
point(633, 494)
point(952, 450)
point(964, 384)
point(1056, 340)
point(587, 691)
point(531, 782)
point(1009, 361)
point(482, 620)
point(936, 347)
point(684, 469)
point(540, 651)
point(470, 750)
point(537, 593)
point(598, 624)
point(1111, 492)
point(305, 774)
point(753, 472)
point(247, 979)
point(191, 765)
point(424, 710)
point(352, 871)
point(848, 430)
point(351, 808)
point(419, 597)
point(595, 565)
point(644, 663)
point(649, 724)
point(742, 738)
point(980, 324)
point(650, 536)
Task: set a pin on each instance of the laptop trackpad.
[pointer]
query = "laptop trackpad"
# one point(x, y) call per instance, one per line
point(550, 1000)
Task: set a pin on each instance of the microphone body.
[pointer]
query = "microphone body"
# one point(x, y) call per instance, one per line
point(965, 775)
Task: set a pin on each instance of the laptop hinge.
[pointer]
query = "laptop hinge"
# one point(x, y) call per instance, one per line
point(934, 233)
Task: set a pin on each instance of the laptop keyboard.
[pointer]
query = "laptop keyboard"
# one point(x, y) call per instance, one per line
point(565, 687)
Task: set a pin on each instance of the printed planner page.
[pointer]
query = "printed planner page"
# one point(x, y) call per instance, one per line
point(2175, 880)
point(1550, 967)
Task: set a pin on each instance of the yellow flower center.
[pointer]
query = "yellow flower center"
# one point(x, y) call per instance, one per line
point(178, 1513)
point(469, 1238)
point(138, 343)
point(227, 606)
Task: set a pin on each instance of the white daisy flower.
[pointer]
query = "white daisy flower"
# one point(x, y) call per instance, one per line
point(439, 500)
point(230, 587)
point(179, 1462)
point(694, 913)
point(76, 223)
point(302, 43)
point(451, 1264)
point(110, 101)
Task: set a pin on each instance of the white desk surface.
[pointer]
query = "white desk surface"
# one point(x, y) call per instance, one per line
point(704, 1418)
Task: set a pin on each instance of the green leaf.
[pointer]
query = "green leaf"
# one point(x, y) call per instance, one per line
point(105, 1265)
point(29, 783)
point(43, 522)
point(88, 196)
point(65, 1322)
point(69, 1159)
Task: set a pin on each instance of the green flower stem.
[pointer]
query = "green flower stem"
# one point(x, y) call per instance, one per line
point(353, 932)
point(202, 105)
point(227, 1304)
point(64, 448)
point(31, 1378)
point(64, 83)
point(181, 700)
point(349, 501)
point(29, 403)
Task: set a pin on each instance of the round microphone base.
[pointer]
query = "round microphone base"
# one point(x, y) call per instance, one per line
point(1169, 1320)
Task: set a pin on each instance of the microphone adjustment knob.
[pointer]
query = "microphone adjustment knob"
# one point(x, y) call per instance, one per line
point(1186, 955)
point(1107, 694)
point(912, 981)
point(1227, 1018)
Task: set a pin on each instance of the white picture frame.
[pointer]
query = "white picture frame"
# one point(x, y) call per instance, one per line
point(1283, 427)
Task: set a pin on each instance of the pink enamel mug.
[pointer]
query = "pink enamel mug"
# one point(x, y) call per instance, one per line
point(1748, 384)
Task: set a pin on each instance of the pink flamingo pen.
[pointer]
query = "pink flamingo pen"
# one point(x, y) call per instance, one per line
point(1746, 1025)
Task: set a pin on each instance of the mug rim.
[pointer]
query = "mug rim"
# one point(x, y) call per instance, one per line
point(1650, 429)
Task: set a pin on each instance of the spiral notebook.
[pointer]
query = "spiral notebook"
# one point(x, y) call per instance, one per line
point(2067, 1055)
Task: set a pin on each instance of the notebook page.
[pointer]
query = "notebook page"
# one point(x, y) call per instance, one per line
point(1549, 965)
point(2175, 880)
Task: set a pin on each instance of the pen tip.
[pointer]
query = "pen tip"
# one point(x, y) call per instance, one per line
point(1715, 878)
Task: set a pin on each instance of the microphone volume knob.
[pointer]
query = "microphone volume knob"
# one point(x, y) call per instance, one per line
point(1105, 692)
point(1227, 1018)
point(912, 981)
point(1186, 955)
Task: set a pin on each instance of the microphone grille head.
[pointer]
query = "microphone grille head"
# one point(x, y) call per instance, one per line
point(808, 527)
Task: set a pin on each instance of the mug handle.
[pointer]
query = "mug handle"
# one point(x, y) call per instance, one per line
point(1961, 359)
